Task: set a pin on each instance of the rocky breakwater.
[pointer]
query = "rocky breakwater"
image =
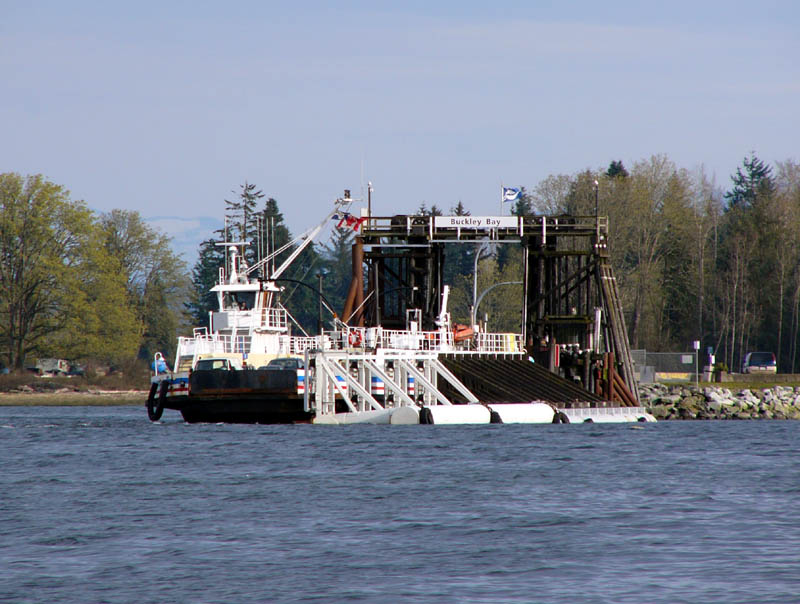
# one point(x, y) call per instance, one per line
point(667, 402)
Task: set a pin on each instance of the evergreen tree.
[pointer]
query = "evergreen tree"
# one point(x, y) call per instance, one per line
point(338, 260)
point(524, 204)
point(460, 210)
point(616, 170)
point(275, 232)
point(755, 181)
point(424, 211)
point(240, 215)
point(301, 301)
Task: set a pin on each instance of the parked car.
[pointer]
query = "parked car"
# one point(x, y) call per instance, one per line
point(284, 363)
point(218, 364)
point(51, 367)
point(759, 362)
point(77, 370)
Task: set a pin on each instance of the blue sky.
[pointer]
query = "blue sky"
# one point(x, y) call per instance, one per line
point(166, 107)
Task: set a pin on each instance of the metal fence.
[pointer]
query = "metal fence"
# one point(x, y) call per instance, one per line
point(677, 364)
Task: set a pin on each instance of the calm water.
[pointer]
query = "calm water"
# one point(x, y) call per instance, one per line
point(99, 505)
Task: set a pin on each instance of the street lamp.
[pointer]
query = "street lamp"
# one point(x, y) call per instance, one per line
point(486, 291)
point(478, 250)
point(597, 211)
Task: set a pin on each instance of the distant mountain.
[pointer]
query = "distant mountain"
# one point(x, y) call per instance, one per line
point(187, 233)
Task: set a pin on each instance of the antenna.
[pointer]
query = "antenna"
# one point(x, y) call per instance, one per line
point(362, 177)
point(272, 237)
point(259, 243)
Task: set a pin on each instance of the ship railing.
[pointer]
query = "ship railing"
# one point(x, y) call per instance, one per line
point(397, 339)
point(213, 344)
point(498, 343)
point(274, 319)
point(265, 319)
point(298, 345)
point(392, 339)
point(437, 341)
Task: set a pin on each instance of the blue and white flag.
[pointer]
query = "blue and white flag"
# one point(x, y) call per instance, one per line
point(510, 194)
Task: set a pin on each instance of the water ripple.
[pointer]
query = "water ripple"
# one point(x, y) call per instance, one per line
point(100, 505)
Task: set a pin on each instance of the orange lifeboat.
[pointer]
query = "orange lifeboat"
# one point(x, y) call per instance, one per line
point(462, 332)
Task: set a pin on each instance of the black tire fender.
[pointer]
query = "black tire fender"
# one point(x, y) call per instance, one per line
point(155, 405)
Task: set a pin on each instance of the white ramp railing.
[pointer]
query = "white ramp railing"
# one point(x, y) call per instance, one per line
point(405, 378)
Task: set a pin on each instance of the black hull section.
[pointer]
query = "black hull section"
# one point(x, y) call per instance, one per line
point(239, 410)
point(242, 397)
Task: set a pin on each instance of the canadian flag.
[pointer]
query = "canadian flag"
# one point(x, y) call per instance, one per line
point(350, 221)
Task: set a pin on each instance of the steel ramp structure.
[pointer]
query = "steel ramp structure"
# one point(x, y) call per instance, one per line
point(515, 380)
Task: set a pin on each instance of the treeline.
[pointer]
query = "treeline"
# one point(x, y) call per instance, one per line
point(694, 261)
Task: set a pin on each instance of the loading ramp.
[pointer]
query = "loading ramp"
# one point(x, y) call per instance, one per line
point(514, 380)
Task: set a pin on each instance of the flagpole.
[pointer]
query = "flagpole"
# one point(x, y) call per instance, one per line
point(501, 197)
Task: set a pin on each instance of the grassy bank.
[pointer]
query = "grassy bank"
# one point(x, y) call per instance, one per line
point(68, 399)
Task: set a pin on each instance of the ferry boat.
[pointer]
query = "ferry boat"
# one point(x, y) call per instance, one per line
point(249, 367)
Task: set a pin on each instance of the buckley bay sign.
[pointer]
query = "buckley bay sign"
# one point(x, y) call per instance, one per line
point(475, 222)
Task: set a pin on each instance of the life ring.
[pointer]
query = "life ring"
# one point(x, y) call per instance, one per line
point(354, 339)
point(155, 406)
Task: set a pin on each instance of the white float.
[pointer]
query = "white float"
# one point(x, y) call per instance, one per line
point(523, 413)
point(608, 415)
point(458, 414)
point(405, 416)
point(381, 416)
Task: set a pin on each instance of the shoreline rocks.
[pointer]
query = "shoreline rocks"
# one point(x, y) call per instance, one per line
point(685, 401)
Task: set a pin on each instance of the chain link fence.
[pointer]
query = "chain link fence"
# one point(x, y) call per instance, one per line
point(677, 366)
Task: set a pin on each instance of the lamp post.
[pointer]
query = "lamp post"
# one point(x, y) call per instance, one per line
point(478, 250)
point(486, 291)
point(696, 345)
point(597, 211)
